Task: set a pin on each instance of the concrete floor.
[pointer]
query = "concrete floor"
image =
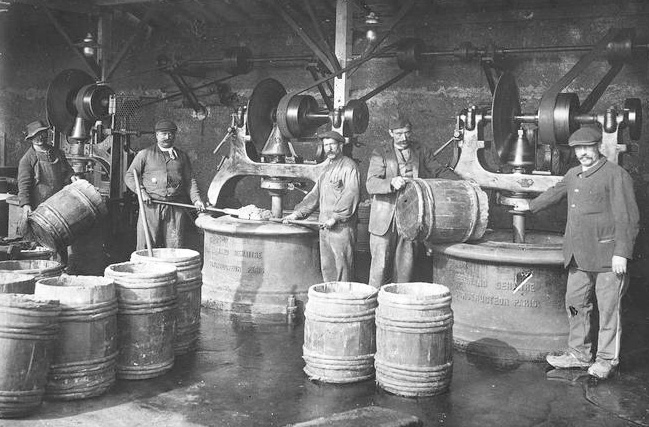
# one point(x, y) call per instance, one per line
point(251, 375)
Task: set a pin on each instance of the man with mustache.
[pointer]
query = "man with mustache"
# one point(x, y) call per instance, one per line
point(601, 228)
point(337, 193)
point(391, 163)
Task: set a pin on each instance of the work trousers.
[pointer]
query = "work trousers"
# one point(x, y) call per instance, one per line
point(167, 226)
point(582, 288)
point(393, 258)
point(337, 252)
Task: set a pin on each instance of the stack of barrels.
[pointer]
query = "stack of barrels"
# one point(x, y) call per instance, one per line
point(402, 334)
point(69, 337)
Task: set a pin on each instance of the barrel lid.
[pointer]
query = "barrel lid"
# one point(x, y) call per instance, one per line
point(134, 269)
point(242, 227)
point(165, 255)
point(342, 290)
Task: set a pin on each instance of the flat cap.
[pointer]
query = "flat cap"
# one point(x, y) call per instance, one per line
point(586, 135)
point(35, 128)
point(165, 125)
point(398, 122)
point(333, 135)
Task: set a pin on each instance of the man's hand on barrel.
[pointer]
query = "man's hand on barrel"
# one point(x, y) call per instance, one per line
point(288, 218)
point(27, 209)
point(329, 223)
point(200, 206)
point(398, 183)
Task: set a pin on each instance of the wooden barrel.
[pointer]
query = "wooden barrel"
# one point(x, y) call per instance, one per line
point(339, 332)
point(85, 354)
point(441, 210)
point(37, 268)
point(146, 318)
point(414, 339)
point(59, 220)
point(190, 281)
point(28, 328)
point(14, 283)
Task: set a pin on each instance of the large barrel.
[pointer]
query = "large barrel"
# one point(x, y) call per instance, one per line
point(28, 328)
point(441, 210)
point(258, 271)
point(146, 318)
point(59, 220)
point(414, 339)
point(188, 287)
point(85, 354)
point(14, 283)
point(339, 332)
point(37, 268)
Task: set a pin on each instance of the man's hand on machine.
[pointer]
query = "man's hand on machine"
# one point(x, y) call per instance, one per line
point(200, 206)
point(145, 197)
point(522, 205)
point(398, 182)
point(328, 223)
point(288, 218)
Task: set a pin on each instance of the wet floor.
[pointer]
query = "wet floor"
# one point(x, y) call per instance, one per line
point(251, 375)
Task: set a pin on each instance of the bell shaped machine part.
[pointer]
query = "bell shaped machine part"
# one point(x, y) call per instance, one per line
point(520, 154)
point(80, 129)
point(276, 146)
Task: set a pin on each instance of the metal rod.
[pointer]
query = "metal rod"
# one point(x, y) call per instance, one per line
point(227, 211)
point(518, 222)
point(147, 236)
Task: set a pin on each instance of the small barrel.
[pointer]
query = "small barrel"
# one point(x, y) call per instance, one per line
point(14, 283)
point(28, 328)
point(414, 339)
point(37, 268)
point(72, 211)
point(339, 332)
point(190, 281)
point(85, 354)
point(441, 210)
point(146, 318)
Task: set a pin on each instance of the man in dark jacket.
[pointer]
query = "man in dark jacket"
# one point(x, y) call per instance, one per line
point(391, 164)
point(601, 228)
point(165, 174)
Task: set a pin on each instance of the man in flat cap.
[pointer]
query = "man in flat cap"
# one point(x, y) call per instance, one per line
point(601, 228)
point(165, 174)
point(391, 163)
point(337, 193)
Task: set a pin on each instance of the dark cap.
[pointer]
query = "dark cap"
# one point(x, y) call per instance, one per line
point(166, 126)
point(398, 122)
point(333, 135)
point(587, 135)
point(35, 128)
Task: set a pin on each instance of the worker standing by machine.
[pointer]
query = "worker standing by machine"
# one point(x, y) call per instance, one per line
point(391, 164)
point(336, 193)
point(165, 174)
point(602, 224)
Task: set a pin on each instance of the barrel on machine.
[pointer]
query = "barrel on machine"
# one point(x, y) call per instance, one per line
point(339, 332)
point(28, 328)
point(67, 214)
point(188, 287)
point(14, 283)
point(146, 318)
point(85, 354)
point(441, 210)
point(37, 268)
point(414, 339)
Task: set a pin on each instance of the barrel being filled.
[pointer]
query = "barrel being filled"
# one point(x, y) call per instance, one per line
point(85, 354)
point(37, 268)
point(14, 283)
point(146, 318)
point(339, 332)
point(441, 210)
point(414, 339)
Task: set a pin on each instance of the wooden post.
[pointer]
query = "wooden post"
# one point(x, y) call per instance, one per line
point(344, 15)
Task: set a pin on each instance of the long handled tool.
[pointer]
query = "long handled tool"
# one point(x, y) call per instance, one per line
point(147, 236)
point(235, 212)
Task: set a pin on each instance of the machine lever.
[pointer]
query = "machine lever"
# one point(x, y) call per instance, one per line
point(228, 211)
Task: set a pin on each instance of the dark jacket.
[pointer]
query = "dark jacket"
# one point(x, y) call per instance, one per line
point(603, 217)
point(164, 178)
point(40, 176)
point(383, 167)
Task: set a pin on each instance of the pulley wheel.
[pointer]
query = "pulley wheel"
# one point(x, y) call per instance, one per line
point(409, 54)
point(61, 96)
point(356, 117)
point(634, 121)
point(295, 116)
point(559, 121)
point(504, 107)
point(237, 60)
point(92, 101)
point(261, 111)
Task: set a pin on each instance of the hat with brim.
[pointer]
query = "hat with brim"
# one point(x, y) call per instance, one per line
point(34, 128)
point(166, 126)
point(399, 122)
point(585, 136)
point(332, 134)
